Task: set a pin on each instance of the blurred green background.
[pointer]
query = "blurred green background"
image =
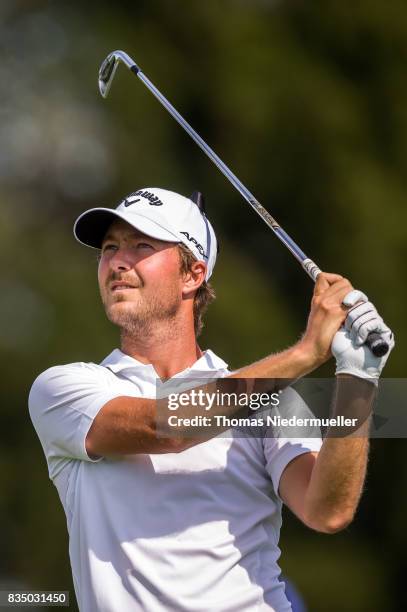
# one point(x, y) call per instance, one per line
point(307, 103)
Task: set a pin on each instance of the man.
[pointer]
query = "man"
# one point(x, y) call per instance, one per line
point(174, 523)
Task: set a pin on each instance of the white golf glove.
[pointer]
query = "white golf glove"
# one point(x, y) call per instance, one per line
point(351, 354)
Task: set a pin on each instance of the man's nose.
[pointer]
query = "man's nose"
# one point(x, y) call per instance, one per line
point(121, 261)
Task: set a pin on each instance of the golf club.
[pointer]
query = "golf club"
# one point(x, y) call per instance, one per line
point(375, 342)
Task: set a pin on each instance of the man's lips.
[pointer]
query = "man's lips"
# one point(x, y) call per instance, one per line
point(121, 286)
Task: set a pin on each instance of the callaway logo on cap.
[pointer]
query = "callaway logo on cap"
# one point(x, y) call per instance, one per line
point(137, 195)
point(158, 213)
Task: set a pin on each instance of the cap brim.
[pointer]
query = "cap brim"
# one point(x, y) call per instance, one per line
point(91, 226)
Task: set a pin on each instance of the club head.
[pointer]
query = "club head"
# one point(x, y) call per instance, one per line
point(109, 67)
point(106, 73)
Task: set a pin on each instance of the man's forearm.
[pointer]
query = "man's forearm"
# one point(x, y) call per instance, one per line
point(292, 363)
point(339, 472)
point(129, 425)
point(268, 375)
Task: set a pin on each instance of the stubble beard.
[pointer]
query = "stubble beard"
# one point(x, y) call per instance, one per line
point(142, 320)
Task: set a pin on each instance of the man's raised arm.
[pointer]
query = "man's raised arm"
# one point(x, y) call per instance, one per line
point(128, 425)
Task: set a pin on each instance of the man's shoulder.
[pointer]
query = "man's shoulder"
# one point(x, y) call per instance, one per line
point(68, 369)
point(60, 378)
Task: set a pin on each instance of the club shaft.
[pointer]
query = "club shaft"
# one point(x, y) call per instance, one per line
point(374, 341)
point(106, 73)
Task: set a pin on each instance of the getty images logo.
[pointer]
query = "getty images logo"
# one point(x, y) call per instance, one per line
point(153, 200)
point(196, 243)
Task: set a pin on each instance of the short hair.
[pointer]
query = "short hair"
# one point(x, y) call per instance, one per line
point(205, 293)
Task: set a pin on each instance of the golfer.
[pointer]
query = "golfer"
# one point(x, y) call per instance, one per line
point(162, 524)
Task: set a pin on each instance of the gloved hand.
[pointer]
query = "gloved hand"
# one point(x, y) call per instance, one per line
point(351, 354)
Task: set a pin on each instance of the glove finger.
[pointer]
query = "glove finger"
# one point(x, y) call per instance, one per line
point(353, 297)
point(369, 322)
point(358, 311)
point(373, 325)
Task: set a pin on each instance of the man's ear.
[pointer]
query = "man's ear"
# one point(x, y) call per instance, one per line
point(193, 278)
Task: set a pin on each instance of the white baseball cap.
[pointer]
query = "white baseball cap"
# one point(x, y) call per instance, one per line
point(158, 213)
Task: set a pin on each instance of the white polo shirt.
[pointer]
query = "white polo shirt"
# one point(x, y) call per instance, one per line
point(195, 531)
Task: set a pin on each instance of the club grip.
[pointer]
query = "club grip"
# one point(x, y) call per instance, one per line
point(377, 344)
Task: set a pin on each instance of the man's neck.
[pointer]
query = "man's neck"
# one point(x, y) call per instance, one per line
point(169, 348)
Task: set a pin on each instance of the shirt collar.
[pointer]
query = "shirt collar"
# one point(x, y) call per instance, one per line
point(118, 361)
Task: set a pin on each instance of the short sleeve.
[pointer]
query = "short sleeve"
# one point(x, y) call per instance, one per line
point(63, 402)
point(282, 444)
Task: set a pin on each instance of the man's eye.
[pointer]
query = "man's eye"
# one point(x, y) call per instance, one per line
point(108, 247)
point(144, 245)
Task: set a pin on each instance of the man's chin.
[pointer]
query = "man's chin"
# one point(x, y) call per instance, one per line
point(115, 312)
